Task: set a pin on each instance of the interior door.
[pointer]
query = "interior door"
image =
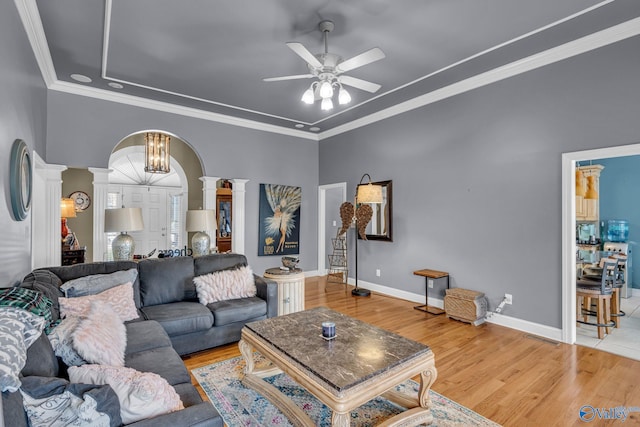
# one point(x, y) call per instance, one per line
point(154, 203)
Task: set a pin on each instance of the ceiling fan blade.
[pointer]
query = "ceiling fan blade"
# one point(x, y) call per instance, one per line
point(364, 58)
point(304, 53)
point(359, 83)
point(277, 79)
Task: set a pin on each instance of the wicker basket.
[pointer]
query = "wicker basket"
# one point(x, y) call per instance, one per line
point(465, 305)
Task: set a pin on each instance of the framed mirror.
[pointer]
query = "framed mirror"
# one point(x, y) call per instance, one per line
point(381, 225)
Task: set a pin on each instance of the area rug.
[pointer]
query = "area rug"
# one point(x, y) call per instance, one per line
point(243, 407)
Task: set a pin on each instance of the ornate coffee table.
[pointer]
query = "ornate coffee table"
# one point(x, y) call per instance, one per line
point(361, 363)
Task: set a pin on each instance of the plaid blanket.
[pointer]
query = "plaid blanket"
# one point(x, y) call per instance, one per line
point(31, 301)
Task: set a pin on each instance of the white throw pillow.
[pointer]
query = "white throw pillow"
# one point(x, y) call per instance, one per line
point(120, 298)
point(225, 285)
point(101, 337)
point(141, 394)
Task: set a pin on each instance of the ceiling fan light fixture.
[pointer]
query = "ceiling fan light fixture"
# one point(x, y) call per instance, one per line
point(326, 104)
point(308, 96)
point(343, 96)
point(326, 90)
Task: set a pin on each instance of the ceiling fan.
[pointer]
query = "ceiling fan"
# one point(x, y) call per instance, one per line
point(328, 69)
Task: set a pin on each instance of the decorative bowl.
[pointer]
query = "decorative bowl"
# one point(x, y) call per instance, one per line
point(290, 261)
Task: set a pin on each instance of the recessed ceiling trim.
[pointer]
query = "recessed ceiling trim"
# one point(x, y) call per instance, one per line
point(30, 17)
point(106, 95)
point(559, 53)
point(105, 56)
point(467, 59)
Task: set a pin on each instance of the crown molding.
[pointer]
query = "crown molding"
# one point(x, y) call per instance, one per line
point(166, 107)
point(30, 16)
point(32, 23)
point(570, 49)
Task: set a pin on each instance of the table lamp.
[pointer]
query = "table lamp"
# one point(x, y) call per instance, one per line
point(123, 220)
point(67, 210)
point(199, 221)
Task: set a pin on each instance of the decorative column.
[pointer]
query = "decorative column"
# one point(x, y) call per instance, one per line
point(209, 186)
point(238, 214)
point(100, 198)
point(46, 244)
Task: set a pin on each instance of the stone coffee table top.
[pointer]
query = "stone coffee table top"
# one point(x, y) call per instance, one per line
point(360, 351)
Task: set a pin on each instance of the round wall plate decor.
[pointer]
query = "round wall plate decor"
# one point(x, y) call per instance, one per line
point(81, 200)
point(20, 179)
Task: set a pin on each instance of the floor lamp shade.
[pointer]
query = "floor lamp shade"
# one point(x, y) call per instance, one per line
point(123, 220)
point(199, 221)
point(369, 193)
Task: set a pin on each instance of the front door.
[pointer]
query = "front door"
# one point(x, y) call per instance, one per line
point(154, 202)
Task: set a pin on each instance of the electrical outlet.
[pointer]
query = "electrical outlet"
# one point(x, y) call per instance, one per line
point(334, 223)
point(378, 272)
point(509, 298)
point(430, 283)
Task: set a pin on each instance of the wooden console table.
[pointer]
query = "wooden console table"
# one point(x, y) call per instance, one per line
point(73, 256)
point(434, 276)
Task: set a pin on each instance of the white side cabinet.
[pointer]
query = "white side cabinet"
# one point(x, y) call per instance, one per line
point(290, 289)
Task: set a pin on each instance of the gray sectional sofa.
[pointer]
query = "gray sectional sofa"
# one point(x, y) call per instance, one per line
point(172, 323)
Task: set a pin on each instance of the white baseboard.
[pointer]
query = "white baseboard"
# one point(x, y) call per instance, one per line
point(497, 319)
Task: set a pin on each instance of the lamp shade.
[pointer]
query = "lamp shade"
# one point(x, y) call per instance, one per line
point(67, 208)
point(123, 219)
point(369, 193)
point(200, 220)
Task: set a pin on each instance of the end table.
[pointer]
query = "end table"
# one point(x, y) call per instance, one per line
point(290, 289)
point(432, 277)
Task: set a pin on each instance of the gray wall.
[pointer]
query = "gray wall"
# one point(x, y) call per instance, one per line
point(22, 115)
point(81, 132)
point(477, 177)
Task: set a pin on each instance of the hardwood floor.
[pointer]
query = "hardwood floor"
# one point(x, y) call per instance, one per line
point(507, 376)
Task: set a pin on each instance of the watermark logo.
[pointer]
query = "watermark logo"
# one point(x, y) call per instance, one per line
point(589, 413)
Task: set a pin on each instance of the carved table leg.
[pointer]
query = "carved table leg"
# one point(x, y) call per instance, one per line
point(247, 352)
point(427, 378)
point(340, 420)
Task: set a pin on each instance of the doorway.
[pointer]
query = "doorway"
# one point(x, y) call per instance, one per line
point(330, 197)
point(569, 231)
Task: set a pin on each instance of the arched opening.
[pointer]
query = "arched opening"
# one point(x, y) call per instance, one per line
point(164, 198)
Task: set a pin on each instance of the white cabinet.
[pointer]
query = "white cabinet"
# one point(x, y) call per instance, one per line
point(588, 209)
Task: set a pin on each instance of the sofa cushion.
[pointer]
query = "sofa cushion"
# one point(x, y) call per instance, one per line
point(41, 360)
point(163, 361)
point(48, 284)
point(225, 284)
point(237, 310)
point(180, 317)
point(96, 283)
point(18, 330)
point(101, 336)
point(70, 272)
point(163, 280)
point(120, 298)
point(141, 394)
point(145, 335)
point(61, 339)
point(54, 401)
point(31, 301)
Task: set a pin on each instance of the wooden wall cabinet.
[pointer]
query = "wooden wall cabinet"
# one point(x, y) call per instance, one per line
point(589, 209)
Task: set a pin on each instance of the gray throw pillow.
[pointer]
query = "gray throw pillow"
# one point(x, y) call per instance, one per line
point(96, 283)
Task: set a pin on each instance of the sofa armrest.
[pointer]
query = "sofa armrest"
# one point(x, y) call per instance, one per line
point(200, 415)
point(268, 291)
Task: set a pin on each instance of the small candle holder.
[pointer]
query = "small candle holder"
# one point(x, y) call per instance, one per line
point(328, 330)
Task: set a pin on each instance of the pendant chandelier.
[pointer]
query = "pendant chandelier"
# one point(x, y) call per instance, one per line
point(156, 152)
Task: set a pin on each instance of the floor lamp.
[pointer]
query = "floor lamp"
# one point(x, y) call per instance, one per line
point(365, 194)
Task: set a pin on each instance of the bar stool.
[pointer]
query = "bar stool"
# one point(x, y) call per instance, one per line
point(600, 289)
